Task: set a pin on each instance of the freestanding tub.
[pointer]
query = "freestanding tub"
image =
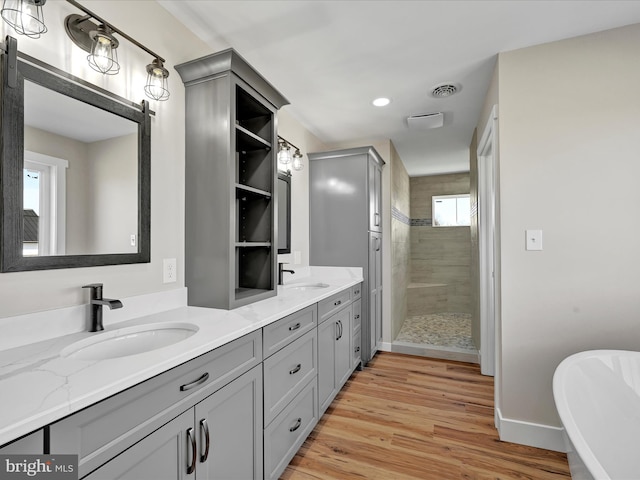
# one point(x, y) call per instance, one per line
point(597, 394)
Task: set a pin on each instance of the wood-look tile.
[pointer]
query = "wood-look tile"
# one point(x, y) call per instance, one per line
point(406, 417)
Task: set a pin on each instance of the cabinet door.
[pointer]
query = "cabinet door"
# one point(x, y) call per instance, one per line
point(229, 430)
point(327, 334)
point(343, 347)
point(374, 330)
point(165, 454)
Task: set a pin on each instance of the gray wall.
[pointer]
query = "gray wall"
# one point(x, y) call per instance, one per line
point(400, 242)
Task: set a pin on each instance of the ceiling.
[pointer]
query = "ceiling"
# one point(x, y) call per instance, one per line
point(332, 58)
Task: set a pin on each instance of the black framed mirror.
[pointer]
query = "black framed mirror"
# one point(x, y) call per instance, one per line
point(284, 213)
point(75, 174)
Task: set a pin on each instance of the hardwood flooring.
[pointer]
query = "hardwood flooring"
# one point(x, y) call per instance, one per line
point(408, 417)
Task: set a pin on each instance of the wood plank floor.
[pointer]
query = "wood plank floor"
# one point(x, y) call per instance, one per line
point(408, 417)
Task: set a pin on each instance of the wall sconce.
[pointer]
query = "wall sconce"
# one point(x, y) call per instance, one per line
point(284, 154)
point(25, 16)
point(100, 42)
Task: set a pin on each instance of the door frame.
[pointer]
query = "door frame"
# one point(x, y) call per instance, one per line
point(488, 253)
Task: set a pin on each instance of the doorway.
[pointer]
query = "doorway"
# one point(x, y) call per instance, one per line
point(487, 185)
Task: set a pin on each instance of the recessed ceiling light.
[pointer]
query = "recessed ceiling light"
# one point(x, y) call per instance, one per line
point(381, 102)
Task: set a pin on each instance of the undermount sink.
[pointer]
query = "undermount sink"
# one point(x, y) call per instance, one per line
point(127, 341)
point(305, 286)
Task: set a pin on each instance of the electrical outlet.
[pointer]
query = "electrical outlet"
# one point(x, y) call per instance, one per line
point(133, 240)
point(169, 270)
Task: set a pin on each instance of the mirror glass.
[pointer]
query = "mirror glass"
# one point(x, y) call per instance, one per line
point(76, 172)
point(80, 177)
point(284, 213)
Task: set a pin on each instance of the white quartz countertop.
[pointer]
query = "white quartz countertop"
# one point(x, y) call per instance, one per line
point(39, 386)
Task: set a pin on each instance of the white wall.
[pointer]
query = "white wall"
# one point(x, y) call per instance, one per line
point(569, 115)
point(150, 24)
point(290, 129)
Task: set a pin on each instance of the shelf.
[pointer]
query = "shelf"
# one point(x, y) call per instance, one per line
point(244, 293)
point(248, 141)
point(253, 244)
point(255, 192)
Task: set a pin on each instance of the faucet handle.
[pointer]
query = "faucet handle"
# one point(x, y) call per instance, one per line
point(96, 290)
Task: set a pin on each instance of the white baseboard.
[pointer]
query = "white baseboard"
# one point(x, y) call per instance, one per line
point(531, 434)
point(384, 347)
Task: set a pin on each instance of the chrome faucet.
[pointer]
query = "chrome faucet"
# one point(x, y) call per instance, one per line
point(97, 303)
point(281, 270)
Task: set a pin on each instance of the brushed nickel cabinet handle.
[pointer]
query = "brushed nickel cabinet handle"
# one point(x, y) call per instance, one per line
point(337, 331)
point(188, 386)
point(356, 292)
point(204, 427)
point(294, 327)
point(357, 349)
point(296, 369)
point(377, 219)
point(357, 317)
point(296, 426)
point(339, 302)
point(194, 451)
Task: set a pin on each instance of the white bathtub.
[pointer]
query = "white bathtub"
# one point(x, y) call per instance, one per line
point(597, 394)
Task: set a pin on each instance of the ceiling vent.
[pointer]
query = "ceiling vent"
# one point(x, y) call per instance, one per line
point(426, 121)
point(445, 90)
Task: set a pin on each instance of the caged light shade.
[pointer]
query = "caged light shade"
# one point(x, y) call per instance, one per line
point(25, 16)
point(297, 160)
point(156, 86)
point(104, 54)
point(284, 155)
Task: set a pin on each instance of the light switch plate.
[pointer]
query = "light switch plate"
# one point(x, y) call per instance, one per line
point(534, 239)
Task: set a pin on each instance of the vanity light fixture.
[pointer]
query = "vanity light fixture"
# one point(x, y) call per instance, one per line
point(156, 86)
point(99, 40)
point(104, 51)
point(284, 154)
point(25, 16)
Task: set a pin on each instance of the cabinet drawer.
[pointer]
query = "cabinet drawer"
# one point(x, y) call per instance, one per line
point(31, 444)
point(279, 334)
point(357, 349)
point(356, 291)
point(357, 315)
point(330, 305)
point(288, 431)
point(101, 431)
point(287, 372)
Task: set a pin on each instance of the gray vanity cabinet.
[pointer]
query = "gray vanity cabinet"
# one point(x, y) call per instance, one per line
point(31, 444)
point(345, 226)
point(230, 175)
point(160, 456)
point(335, 357)
point(221, 437)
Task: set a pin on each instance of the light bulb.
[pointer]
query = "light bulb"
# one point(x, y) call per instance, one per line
point(102, 53)
point(284, 155)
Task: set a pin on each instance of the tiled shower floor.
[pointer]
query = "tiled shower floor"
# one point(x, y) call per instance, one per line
point(442, 335)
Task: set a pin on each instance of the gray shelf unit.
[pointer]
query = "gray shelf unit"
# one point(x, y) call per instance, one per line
point(345, 218)
point(230, 175)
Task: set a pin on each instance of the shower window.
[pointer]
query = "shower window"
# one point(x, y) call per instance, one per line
point(451, 210)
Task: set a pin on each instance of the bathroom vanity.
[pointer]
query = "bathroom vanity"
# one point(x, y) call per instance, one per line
point(236, 398)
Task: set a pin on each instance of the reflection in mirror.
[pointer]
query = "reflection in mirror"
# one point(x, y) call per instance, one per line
point(80, 177)
point(284, 213)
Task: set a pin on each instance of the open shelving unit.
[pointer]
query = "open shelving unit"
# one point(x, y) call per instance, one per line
point(231, 179)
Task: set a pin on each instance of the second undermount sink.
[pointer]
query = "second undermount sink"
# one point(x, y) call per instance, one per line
point(127, 341)
point(305, 286)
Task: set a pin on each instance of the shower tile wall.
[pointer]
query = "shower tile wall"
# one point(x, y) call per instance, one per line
point(440, 258)
point(400, 242)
